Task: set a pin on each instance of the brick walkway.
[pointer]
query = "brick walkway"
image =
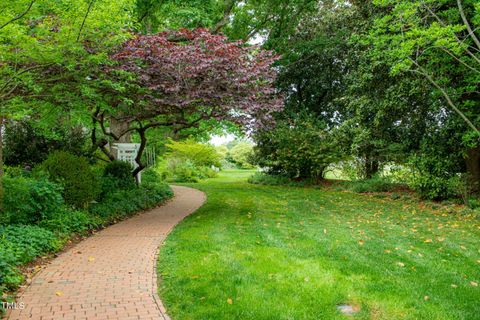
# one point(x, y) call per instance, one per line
point(110, 275)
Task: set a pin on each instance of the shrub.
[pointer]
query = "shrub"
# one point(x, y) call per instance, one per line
point(375, 184)
point(268, 179)
point(28, 200)
point(67, 222)
point(242, 154)
point(26, 144)
point(21, 244)
point(197, 153)
point(75, 174)
point(120, 203)
point(151, 176)
point(189, 161)
point(435, 187)
point(119, 173)
point(434, 178)
point(16, 171)
point(300, 148)
point(183, 171)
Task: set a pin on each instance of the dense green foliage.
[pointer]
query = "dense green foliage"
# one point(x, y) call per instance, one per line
point(241, 154)
point(190, 161)
point(384, 93)
point(298, 148)
point(117, 175)
point(80, 185)
point(29, 200)
point(395, 81)
point(252, 246)
point(21, 244)
point(36, 221)
point(26, 145)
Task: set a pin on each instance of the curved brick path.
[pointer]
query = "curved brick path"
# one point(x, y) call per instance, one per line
point(110, 275)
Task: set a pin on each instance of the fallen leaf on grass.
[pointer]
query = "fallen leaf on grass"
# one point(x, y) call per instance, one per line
point(361, 242)
point(387, 251)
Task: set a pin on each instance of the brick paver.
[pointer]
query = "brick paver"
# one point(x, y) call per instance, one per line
point(110, 275)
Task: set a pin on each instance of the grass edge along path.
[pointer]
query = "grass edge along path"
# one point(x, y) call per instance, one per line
point(272, 252)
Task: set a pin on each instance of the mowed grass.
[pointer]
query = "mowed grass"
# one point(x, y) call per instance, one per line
point(265, 252)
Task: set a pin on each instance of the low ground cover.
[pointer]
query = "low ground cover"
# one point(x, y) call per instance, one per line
point(37, 219)
point(279, 252)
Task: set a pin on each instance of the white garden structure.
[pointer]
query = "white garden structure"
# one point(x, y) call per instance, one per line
point(128, 152)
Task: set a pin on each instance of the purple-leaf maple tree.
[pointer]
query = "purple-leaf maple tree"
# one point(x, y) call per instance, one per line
point(186, 76)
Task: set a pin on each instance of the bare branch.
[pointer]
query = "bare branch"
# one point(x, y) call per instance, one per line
point(459, 60)
point(90, 5)
point(229, 5)
point(456, 37)
point(20, 16)
point(467, 24)
point(423, 72)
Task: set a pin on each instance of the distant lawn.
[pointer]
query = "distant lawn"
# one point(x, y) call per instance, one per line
point(263, 252)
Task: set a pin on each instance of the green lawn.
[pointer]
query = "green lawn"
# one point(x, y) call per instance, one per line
point(263, 252)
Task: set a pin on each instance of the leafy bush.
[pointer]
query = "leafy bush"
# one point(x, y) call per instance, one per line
point(301, 148)
point(151, 176)
point(241, 154)
point(80, 184)
point(434, 187)
point(183, 171)
point(268, 179)
point(28, 200)
point(180, 170)
point(26, 144)
point(119, 174)
point(71, 221)
point(198, 154)
point(16, 171)
point(21, 244)
point(434, 178)
point(189, 161)
point(375, 184)
point(120, 203)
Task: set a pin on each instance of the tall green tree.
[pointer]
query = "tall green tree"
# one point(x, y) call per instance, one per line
point(439, 42)
point(46, 51)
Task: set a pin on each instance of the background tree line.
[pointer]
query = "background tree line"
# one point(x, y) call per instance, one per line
point(364, 82)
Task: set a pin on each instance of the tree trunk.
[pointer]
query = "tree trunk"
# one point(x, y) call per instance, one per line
point(371, 167)
point(118, 128)
point(138, 159)
point(472, 161)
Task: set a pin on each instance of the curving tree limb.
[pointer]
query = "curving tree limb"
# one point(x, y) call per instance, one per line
point(467, 24)
point(90, 5)
point(20, 16)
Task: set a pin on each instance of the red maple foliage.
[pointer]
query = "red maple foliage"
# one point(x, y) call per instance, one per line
point(180, 78)
point(193, 75)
